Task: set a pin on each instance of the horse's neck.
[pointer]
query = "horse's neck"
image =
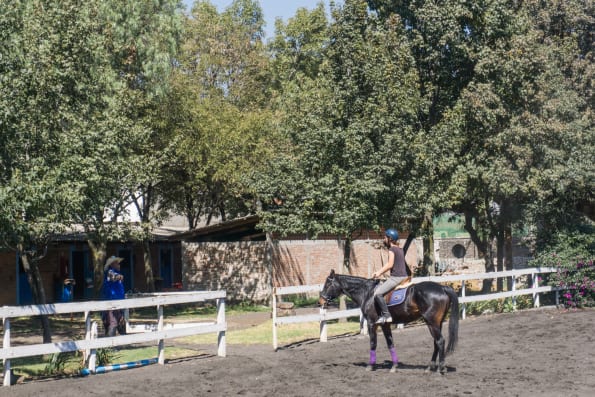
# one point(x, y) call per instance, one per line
point(356, 288)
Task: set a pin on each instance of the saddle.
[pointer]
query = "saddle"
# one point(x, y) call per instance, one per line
point(397, 295)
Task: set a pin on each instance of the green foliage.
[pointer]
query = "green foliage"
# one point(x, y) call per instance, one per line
point(216, 116)
point(503, 305)
point(344, 126)
point(106, 356)
point(572, 254)
point(57, 363)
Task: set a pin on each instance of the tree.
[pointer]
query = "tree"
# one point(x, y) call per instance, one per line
point(114, 160)
point(486, 72)
point(516, 136)
point(48, 96)
point(346, 122)
point(220, 127)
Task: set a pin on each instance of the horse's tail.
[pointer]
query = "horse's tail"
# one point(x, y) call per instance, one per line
point(453, 323)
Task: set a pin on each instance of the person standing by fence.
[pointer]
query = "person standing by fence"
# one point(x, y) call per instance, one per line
point(113, 288)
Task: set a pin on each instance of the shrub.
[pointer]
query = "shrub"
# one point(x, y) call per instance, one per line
point(572, 254)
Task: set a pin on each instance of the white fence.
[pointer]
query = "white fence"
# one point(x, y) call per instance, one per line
point(325, 316)
point(89, 344)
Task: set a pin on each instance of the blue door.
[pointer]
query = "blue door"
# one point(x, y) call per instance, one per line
point(81, 270)
point(165, 266)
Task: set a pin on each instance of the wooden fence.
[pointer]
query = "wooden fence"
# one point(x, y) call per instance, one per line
point(325, 315)
point(89, 344)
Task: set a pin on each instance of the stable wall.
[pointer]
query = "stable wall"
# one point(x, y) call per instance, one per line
point(249, 270)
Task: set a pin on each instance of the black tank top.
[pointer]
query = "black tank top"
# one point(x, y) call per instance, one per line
point(399, 266)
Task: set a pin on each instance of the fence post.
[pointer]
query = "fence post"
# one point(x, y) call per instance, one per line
point(275, 319)
point(464, 311)
point(93, 355)
point(87, 334)
point(160, 344)
point(5, 345)
point(127, 319)
point(535, 280)
point(514, 296)
point(221, 348)
point(323, 326)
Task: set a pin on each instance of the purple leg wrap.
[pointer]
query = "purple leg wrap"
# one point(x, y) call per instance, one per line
point(372, 357)
point(393, 355)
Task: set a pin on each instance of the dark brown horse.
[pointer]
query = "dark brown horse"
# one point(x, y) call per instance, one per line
point(428, 300)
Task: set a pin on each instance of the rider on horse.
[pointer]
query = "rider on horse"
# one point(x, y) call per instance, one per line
point(398, 272)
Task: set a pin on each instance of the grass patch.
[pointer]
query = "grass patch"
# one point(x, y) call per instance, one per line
point(286, 333)
point(198, 311)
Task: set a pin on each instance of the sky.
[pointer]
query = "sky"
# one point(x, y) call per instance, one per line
point(271, 9)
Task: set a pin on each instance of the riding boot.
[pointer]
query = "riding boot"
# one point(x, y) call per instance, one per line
point(385, 316)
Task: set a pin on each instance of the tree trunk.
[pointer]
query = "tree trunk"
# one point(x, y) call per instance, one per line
point(508, 253)
point(345, 270)
point(500, 259)
point(429, 260)
point(484, 248)
point(148, 266)
point(37, 290)
point(99, 255)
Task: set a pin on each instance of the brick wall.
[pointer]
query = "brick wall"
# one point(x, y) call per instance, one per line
point(244, 270)
point(240, 268)
point(8, 291)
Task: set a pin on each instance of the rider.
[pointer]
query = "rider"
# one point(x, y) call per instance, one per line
point(398, 273)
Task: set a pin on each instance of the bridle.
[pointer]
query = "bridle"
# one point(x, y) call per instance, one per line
point(324, 296)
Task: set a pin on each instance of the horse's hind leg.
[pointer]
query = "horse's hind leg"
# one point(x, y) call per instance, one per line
point(388, 335)
point(433, 363)
point(439, 343)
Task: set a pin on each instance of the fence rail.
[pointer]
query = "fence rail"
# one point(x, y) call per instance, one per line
point(90, 343)
point(325, 316)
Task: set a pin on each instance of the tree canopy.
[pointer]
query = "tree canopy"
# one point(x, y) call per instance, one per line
point(380, 113)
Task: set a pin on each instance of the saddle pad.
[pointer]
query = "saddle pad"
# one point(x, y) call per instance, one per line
point(397, 297)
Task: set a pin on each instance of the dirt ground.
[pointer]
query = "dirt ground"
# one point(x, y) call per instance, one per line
point(540, 352)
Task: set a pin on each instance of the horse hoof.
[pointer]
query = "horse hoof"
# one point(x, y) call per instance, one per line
point(370, 367)
point(393, 369)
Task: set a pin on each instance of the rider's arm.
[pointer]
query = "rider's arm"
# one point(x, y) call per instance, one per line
point(387, 267)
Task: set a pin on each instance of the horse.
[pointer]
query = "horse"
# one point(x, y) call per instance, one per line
point(428, 300)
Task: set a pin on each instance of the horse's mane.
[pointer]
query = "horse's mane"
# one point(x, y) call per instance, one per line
point(357, 279)
point(354, 278)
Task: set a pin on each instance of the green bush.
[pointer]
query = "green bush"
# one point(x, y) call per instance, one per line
point(503, 305)
point(572, 254)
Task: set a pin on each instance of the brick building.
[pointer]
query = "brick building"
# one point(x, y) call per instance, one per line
point(235, 256)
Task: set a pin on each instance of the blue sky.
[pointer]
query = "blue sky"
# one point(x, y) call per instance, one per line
point(272, 9)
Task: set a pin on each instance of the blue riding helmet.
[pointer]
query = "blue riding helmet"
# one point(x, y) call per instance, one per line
point(392, 234)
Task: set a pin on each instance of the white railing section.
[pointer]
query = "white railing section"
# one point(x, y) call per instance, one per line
point(90, 343)
point(325, 316)
point(322, 317)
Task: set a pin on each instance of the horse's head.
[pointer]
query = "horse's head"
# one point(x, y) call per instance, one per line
point(331, 290)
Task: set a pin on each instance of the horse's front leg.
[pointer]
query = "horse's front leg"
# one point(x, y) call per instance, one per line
point(373, 342)
point(388, 335)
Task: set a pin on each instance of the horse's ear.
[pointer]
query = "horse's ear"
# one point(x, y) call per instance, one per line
point(332, 273)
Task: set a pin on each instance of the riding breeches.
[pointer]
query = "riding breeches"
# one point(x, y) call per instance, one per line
point(388, 285)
